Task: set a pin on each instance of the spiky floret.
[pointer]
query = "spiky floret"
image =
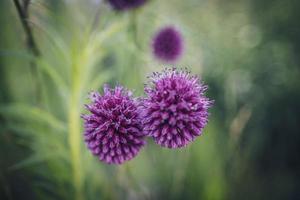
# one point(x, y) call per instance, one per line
point(175, 110)
point(167, 44)
point(113, 129)
point(121, 5)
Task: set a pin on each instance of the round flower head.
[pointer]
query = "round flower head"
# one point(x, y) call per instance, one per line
point(126, 4)
point(167, 44)
point(113, 129)
point(175, 109)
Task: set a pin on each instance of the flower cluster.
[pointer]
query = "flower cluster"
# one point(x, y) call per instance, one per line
point(121, 5)
point(167, 44)
point(174, 112)
point(175, 109)
point(113, 130)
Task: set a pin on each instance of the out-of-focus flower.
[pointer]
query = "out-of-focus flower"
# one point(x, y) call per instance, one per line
point(113, 129)
point(167, 44)
point(126, 4)
point(175, 110)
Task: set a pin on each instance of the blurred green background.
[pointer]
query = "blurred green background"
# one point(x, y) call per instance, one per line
point(247, 51)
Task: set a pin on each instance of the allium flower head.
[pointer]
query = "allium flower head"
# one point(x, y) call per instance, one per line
point(167, 44)
point(121, 5)
point(175, 109)
point(113, 130)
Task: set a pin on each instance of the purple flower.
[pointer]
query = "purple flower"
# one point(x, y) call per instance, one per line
point(167, 44)
point(175, 109)
point(113, 129)
point(126, 4)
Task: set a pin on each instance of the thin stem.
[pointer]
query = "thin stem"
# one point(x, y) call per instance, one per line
point(23, 15)
point(30, 42)
point(26, 4)
point(135, 51)
point(96, 18)
point(134, 29)
point(180, 173)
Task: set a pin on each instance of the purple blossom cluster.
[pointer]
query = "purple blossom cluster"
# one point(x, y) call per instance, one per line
point(167, 44)
point(113, 130)
point(174, 112)
point(121, 5)
point(175, 109)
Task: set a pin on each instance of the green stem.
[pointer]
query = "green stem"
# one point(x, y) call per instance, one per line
point(74, 134)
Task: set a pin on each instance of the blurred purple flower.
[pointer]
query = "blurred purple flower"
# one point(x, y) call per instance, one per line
point(113, 129)
point(175, 109)
point(167, 44)
point(126, 4)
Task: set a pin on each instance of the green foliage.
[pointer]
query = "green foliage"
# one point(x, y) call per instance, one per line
point(249, 69)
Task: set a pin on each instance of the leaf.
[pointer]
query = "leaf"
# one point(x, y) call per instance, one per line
point(56, 78)
point(100, 80)
point(31, 113)
point(34, 159)
point(98, 39)
point(31, 160)
point(17, 53)
point(55, 39)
